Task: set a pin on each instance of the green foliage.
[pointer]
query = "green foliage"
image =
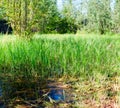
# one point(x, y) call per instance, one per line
point(99, 19)
point(54, 56)
point(2, 12)
point(30, 16)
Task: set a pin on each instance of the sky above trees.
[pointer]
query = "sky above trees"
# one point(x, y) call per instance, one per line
point(77, 3)
point(61, 2)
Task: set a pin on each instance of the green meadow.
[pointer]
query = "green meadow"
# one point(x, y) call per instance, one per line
point(84, 57)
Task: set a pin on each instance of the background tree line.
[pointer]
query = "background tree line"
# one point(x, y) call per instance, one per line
point(44, 16)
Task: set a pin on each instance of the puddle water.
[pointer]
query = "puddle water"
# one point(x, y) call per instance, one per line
point(1, 94)
point(59, 92)
point(0, 88)
point(58, 95)
point(56, 92)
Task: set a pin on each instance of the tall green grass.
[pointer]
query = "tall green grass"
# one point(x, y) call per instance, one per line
point(52, 56)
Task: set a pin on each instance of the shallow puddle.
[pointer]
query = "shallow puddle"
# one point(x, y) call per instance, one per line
point(51, 94)
point(60, 94)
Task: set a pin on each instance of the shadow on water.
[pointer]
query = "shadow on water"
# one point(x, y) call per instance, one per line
point(2, 105)
point(32, 93)
point(21, 92)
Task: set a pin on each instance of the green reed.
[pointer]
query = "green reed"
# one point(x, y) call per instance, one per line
point(55, 56)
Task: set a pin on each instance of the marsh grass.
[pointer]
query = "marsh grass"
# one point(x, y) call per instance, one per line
point(49, 56)
point(54, 56)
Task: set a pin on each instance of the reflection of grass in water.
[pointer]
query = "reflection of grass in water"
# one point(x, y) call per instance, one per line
point(22, 91)
point(1, 89)
point(23, 86)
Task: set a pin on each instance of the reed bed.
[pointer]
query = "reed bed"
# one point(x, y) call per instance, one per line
point(55, 56)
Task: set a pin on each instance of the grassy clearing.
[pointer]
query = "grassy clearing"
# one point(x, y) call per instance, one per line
point(88, 58)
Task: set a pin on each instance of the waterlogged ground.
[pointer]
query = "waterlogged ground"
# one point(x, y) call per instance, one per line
point(93, 59)
point(92, 93)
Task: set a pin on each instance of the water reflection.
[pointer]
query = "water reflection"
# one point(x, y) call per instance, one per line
point(32, 93)
point(1, 94)
point(0, 88)
point(57, 95)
